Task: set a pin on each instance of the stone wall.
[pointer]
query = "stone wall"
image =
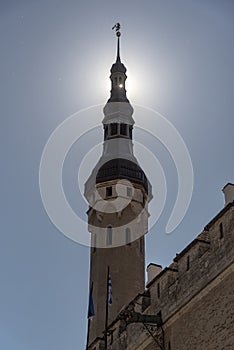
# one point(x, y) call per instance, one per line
point(195, 296)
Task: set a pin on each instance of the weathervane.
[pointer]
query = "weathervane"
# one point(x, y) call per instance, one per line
point(117, 29)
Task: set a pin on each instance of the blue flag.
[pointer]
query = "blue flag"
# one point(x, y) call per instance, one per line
point(91, 306)
point(109, 290)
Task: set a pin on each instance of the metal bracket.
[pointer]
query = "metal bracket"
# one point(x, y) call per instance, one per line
point(130, 316)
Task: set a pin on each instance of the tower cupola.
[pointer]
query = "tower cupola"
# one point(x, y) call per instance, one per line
point(118, 160)
point(118, 78)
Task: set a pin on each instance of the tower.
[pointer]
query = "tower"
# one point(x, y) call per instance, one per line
point(118, 193)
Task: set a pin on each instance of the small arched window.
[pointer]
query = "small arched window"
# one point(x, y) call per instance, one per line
point(94, 243)
point(105, 131)
point(221, 230)
point(123, 129)
point(108, 191)
point(113, 129)
point(188, 263)
point(128, 236)
point(109, 236)
point(158, 290)
point(130, 132)
point(142, 248)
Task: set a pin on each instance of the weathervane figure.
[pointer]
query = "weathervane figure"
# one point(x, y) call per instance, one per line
point(117, 29)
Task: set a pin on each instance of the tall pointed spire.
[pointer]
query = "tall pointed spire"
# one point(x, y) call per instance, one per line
point(118, 50)
point(118, 74)
point(118, 34)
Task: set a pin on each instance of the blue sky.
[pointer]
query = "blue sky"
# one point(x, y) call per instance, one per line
point(55, 60)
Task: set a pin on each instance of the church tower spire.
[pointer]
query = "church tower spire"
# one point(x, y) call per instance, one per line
point(118, 50)
point(118, 75)
point(118, 193)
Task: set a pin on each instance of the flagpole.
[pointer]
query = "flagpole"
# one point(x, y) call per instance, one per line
point(87, 342)
point(89, 320)
point(107, 306)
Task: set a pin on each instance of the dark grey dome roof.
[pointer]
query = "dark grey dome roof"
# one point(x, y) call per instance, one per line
point(120, 168)
point(119, 67)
